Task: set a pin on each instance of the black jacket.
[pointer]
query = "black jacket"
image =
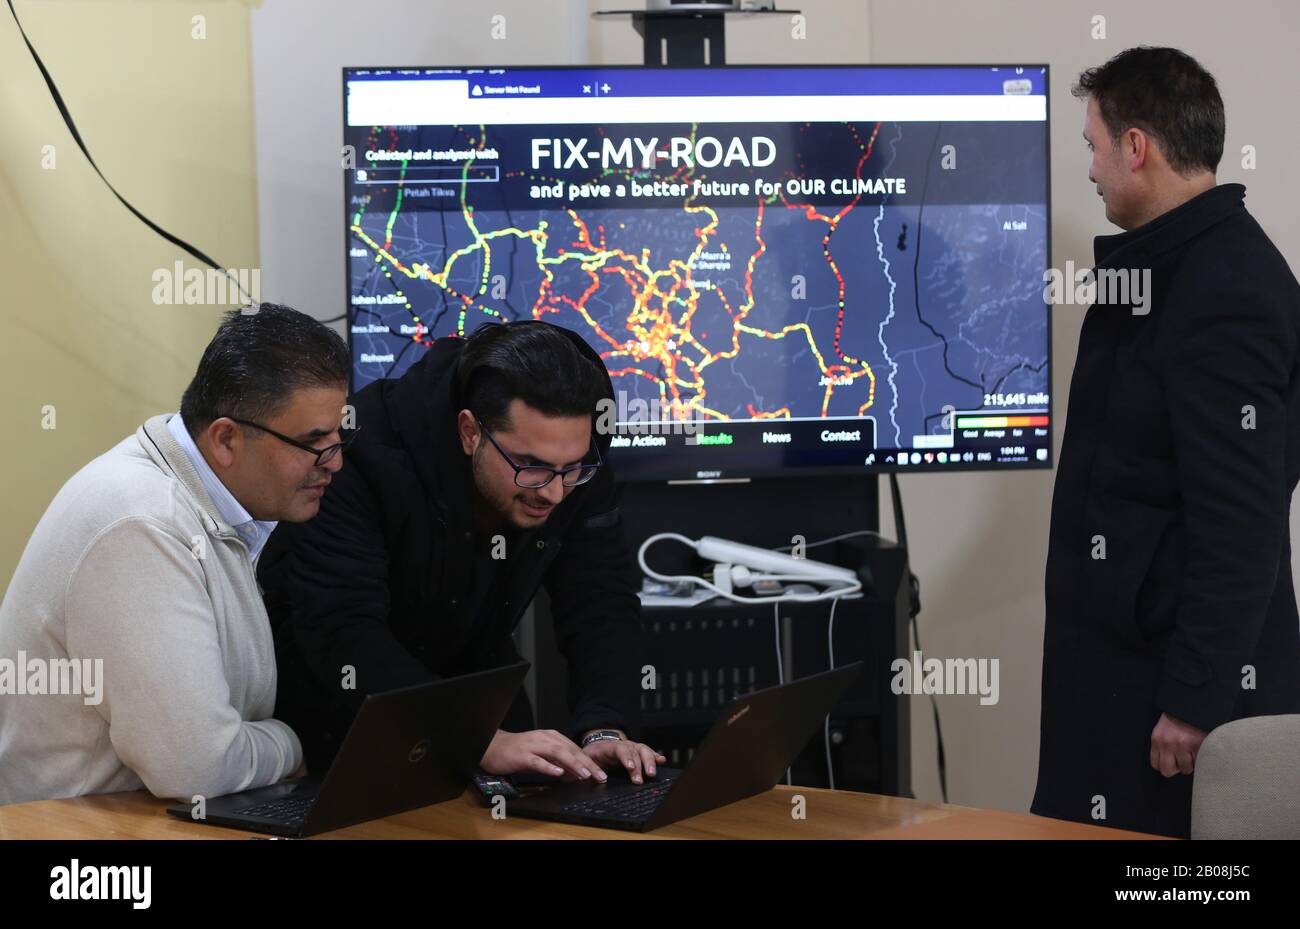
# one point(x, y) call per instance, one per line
point(1180, 454)
point(389, 580)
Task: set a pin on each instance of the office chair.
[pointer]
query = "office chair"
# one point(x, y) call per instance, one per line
point(1247, 782)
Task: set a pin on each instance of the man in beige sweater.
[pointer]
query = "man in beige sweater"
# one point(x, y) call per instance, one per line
point(134, 646)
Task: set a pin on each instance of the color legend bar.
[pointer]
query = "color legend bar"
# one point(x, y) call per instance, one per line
point(1000, 422)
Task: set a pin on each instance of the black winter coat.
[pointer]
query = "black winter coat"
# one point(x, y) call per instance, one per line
point(1180, 455)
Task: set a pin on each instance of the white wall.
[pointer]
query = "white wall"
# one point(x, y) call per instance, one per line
point(300, 47)
point(299, 50)
point(979, 540)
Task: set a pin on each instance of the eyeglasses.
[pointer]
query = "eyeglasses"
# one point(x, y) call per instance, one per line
point(535, 477)
point(323, 455)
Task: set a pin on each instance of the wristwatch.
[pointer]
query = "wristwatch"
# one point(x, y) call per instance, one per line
point(601, 735)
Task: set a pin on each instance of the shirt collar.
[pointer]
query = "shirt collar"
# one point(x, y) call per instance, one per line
point(253, 532)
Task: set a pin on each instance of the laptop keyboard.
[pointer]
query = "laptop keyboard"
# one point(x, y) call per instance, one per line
point(291, 810)
point(634, 804)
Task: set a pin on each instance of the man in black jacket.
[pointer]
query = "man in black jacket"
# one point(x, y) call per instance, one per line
point(1170, 606)
point(473, 479)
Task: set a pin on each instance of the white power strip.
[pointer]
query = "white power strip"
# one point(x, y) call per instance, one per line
point(736, 562)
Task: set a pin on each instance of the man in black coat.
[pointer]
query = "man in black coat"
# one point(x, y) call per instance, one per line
point(1170, 606)
point(473, 479)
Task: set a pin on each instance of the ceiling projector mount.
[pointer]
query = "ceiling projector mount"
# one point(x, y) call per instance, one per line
point(689, 33)
point(710, 5)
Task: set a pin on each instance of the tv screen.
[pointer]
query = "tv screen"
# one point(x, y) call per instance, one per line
point(786, 270)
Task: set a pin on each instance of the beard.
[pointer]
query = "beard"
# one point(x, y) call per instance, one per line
point(493, 504)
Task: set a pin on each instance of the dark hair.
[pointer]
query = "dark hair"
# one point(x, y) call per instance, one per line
point(1166, 94)
point(532, 361)
point(255, 362)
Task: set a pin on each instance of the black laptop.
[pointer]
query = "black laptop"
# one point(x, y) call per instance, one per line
point(406, 748)
point(746, 752)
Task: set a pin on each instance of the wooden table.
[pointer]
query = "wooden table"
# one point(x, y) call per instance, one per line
point(831, 814)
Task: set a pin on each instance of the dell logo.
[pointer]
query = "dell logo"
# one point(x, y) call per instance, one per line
point(418, 751)
point(736, 715)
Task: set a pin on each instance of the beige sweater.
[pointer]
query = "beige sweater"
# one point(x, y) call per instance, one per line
point(131, 565)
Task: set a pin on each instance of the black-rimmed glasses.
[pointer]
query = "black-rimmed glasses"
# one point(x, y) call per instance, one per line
point(323, 455)
point(535, 477)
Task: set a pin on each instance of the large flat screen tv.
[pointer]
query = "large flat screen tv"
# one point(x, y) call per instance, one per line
point(787, 270)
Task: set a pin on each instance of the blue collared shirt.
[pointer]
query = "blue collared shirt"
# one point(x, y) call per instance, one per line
point(252, 531)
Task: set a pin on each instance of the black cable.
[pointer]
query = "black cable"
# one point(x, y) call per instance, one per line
point(914, 598)
point(900, 523)
point(76, 136)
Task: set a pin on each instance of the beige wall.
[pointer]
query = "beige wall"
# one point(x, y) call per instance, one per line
point(168, 118)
